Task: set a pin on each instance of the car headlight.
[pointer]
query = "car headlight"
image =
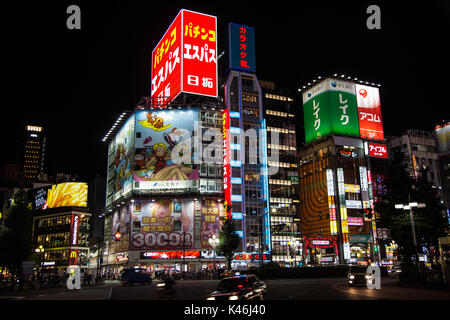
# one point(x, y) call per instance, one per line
point(367, 277)
point(210, 298)
point(352, 277)
point(233, 297)
point(161, 285)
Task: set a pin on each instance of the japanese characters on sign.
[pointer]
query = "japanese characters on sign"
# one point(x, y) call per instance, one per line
point(199, 54)
point(377, 150)
point(185, 59)
point(369, 111)
point(166, 64)
point(226, 163)
point(241, 47)
point(330, 107)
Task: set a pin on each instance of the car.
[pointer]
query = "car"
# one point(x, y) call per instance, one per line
point(358, 275)
point(395, 270)
point(135, 275)
point(242, 287)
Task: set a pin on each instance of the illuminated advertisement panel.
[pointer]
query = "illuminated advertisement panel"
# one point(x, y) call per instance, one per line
point(443, 137)
point(163, 158)
point(377, 150)
point(330, 107)
point(343, 212)
point(121, 223)
point(331, 201)
point(241, 46)
point(210, 218)
point(120, 173)
point(68, 194)
point(369, 112)
point(226, 162)
point(199, 58)
point(162, 224)
point(166, 63)
point(170, 255)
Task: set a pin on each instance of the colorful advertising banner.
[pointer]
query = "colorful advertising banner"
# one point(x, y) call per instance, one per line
point(330, 107)
point(185, 59)
point(162, 224)
point(68, 194)
point(120, 160)
point(369, 112)
point(241, 46)
point(210, 222)
point(162, 135)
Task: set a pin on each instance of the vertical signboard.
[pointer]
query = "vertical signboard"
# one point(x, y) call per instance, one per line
point(369, 112)
point(210, 222)
point(185, 59)
point(343, 212)
point(331, 201)
point(166, 63)
point(226, 163)
point(330, 107)
point(199, 69)
point(241, 47)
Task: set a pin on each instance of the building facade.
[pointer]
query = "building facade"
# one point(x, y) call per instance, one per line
point(344, 141)
point(34, 153)
point(280, 114)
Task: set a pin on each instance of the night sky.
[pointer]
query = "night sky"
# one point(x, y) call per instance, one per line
point(76, 82)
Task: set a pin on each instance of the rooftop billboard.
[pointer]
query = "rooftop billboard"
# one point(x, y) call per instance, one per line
point(330, 107)
point(185, 59)
point(369, 112)
point(68, 194)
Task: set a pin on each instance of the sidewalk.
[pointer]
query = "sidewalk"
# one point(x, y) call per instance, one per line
point(390, 290)
point(91, 292)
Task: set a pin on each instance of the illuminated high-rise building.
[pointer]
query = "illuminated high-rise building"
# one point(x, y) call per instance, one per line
point(34, 153)
point(341, 171)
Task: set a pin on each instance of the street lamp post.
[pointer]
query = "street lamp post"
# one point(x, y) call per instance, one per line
point(41, 250)
point(413, 229)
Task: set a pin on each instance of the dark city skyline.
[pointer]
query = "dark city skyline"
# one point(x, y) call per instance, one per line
point(76, 82)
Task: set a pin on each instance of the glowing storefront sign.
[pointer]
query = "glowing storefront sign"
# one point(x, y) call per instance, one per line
point(377, 150)
point(226, 163)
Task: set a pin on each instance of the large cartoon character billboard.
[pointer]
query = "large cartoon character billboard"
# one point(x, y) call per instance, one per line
point(163, 148)
point(165, 224)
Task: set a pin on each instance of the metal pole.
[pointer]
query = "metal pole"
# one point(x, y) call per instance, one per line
point(413, 230)
point(184, 253)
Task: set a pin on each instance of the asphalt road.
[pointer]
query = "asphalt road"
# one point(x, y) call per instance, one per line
point(281, 289)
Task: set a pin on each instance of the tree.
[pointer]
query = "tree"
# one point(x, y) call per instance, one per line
point(15, 235)
point(398, 189)
point(429, 222)
point(229, 242)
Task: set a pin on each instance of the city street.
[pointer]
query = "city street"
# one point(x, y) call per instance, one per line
point(280, 289)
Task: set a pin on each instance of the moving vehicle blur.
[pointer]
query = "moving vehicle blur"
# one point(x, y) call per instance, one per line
point(137, 275)
point(242, 287)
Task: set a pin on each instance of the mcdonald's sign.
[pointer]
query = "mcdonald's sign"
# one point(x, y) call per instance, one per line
point(73, 257)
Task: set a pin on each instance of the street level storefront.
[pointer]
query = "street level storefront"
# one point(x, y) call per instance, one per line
point(61, 235)
point(321, 250)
